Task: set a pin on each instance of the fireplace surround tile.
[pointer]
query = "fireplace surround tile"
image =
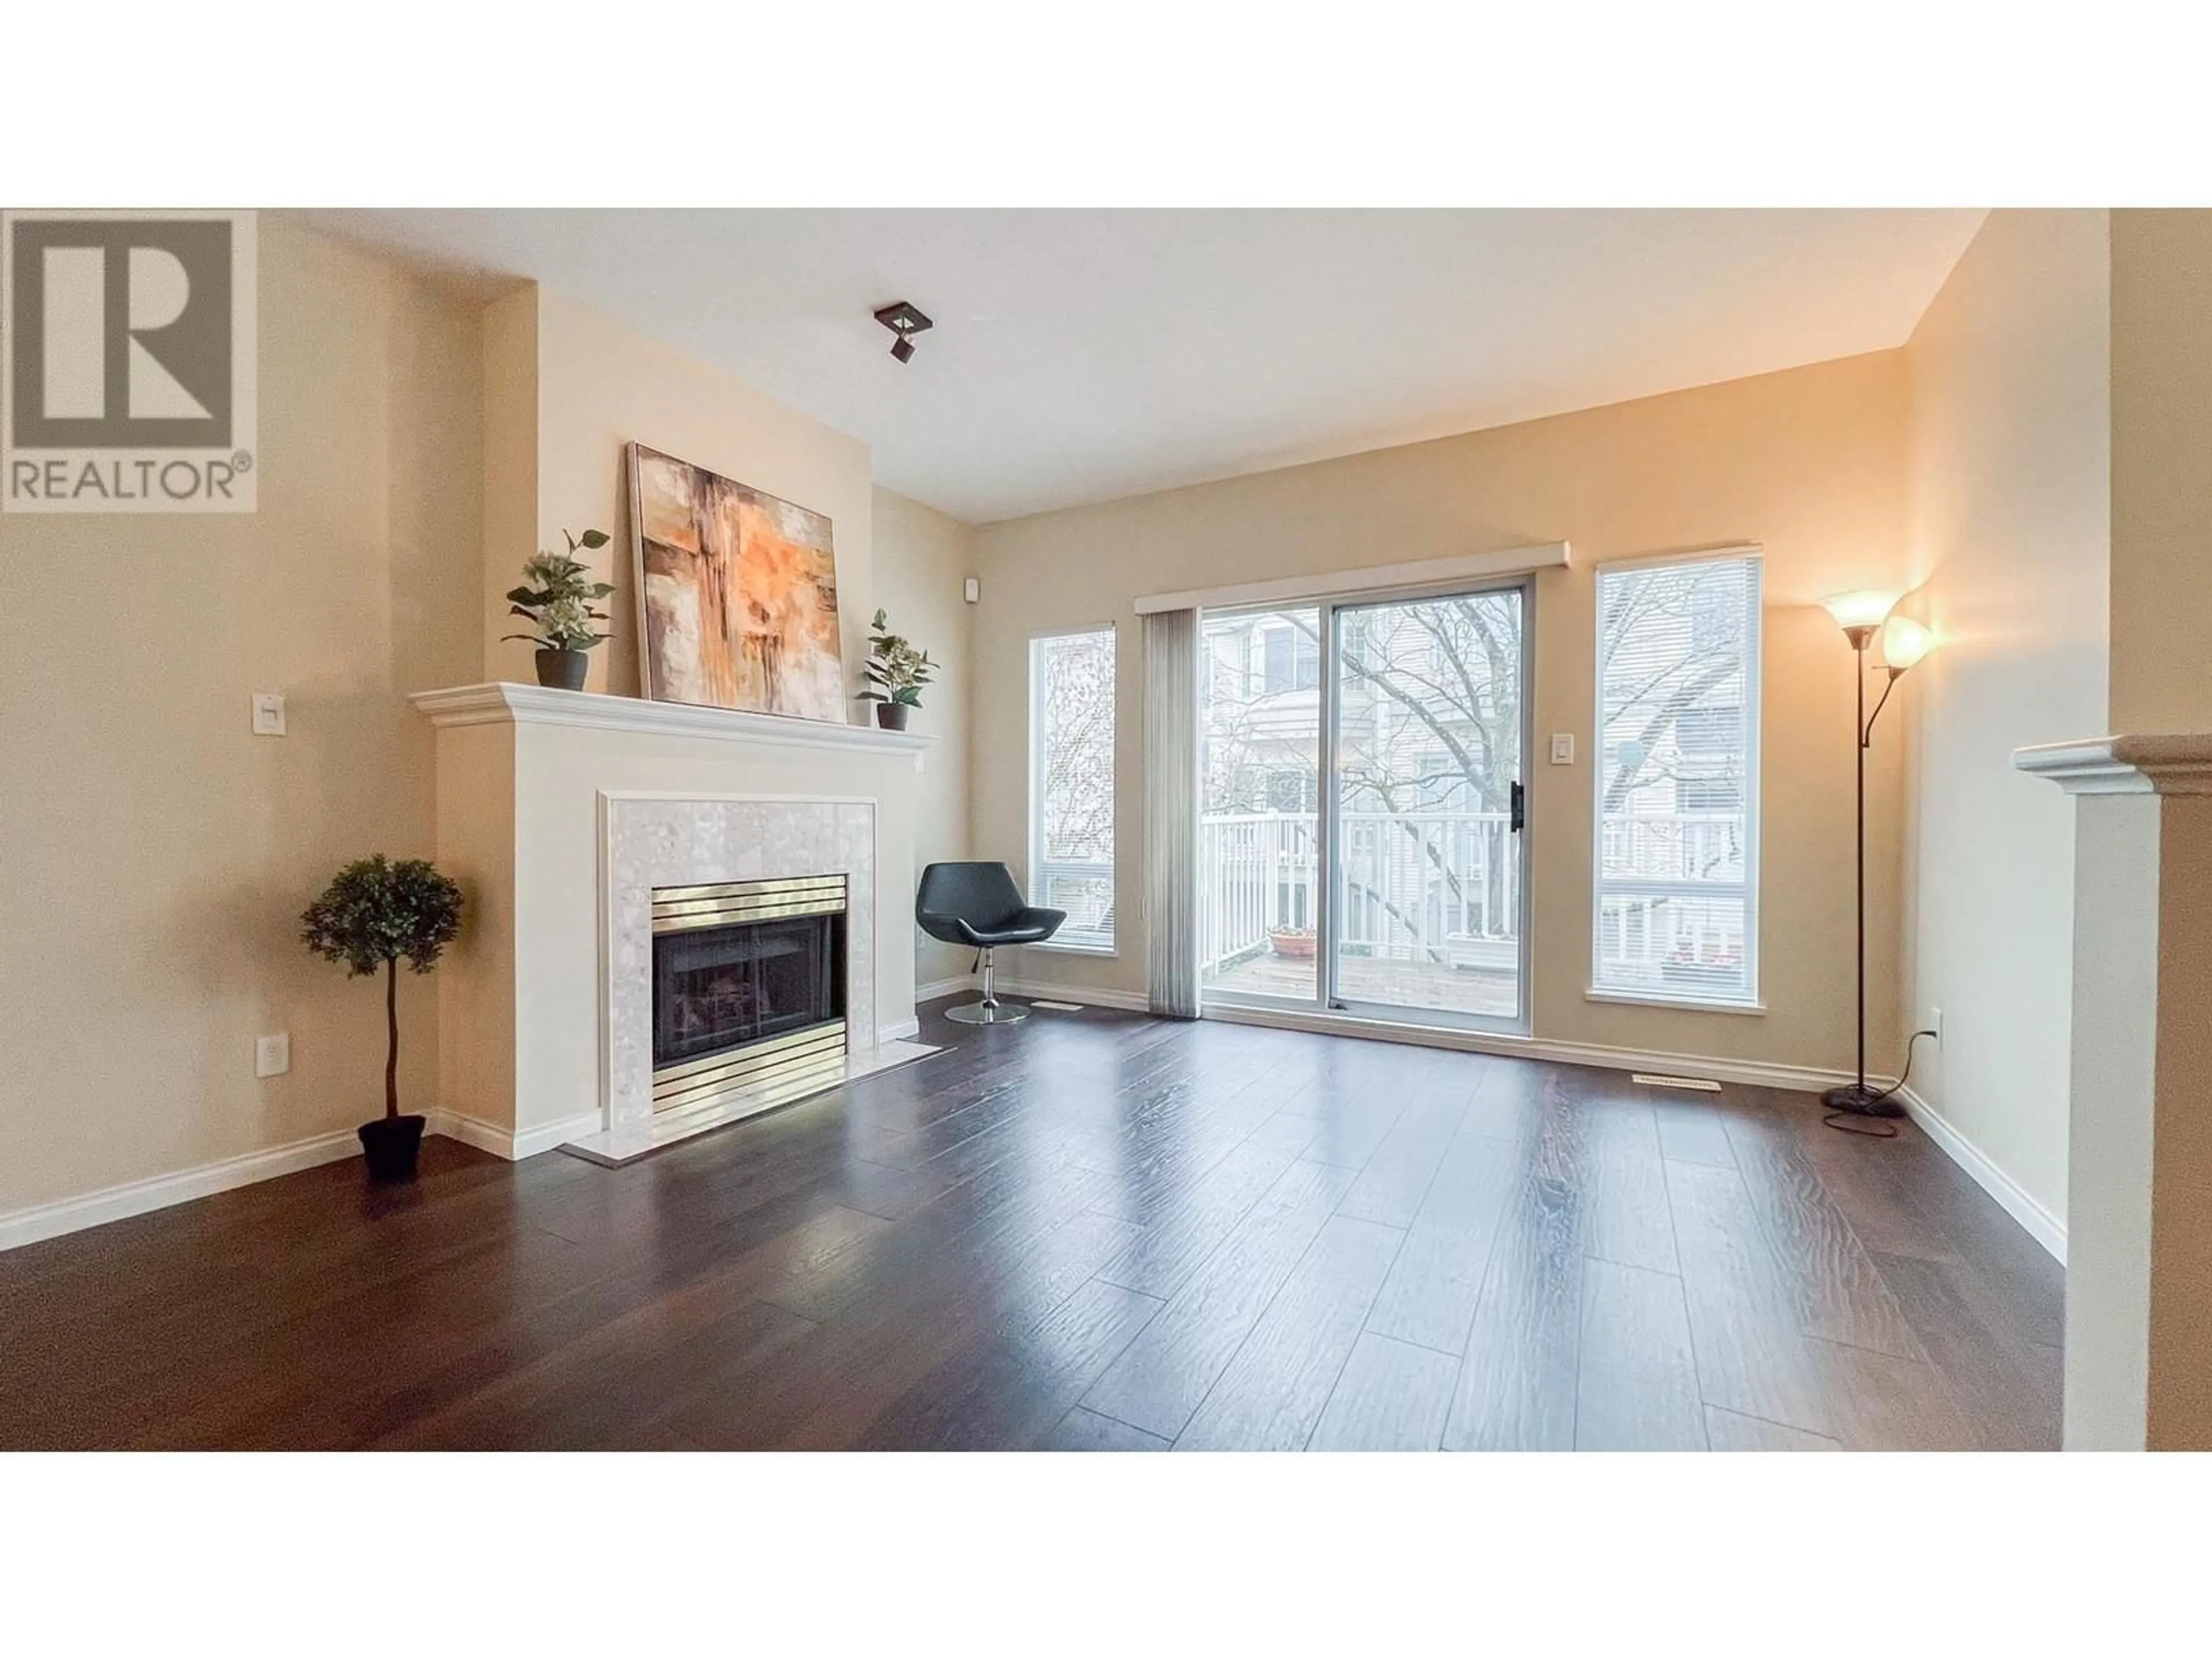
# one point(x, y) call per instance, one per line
point(652, 840)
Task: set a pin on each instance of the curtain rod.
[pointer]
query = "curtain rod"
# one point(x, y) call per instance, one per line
point(1510, 561)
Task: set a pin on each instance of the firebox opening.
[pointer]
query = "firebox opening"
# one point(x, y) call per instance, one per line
point(748, 985)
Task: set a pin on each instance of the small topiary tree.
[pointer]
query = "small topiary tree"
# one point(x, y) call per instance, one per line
point(375, 911)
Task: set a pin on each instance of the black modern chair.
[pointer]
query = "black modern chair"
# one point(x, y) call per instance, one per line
point(978, 904)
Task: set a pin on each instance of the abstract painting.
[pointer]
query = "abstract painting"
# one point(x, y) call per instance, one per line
point(739, 594)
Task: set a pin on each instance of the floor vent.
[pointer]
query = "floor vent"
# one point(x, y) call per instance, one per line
point(1657, 1081)
point(1057, 1007)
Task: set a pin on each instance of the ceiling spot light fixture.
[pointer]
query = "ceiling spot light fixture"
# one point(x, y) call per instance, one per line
point(904, 321)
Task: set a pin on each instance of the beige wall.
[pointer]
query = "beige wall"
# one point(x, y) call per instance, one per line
point(2009, 537)
point(568, 389)
point(1809, 463)
point(157, 854)
point(2161, 479)
point(920, 558)
point(598, 387)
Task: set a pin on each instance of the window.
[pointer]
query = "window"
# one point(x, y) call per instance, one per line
point(1072, 784)
point(1291, 660)
point(1677, 876)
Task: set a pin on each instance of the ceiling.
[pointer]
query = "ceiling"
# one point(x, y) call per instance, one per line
point(1080, 356)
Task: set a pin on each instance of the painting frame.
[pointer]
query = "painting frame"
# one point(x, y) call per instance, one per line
point(735, 593)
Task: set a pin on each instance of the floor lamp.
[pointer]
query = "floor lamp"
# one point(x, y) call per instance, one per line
point(1903, 642)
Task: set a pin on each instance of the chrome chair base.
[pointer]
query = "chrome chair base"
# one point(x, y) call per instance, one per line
point(994, 1013)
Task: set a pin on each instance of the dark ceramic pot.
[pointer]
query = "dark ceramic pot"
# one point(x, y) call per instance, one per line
point(563, 671)
point(390, 1144)
point(891, 716)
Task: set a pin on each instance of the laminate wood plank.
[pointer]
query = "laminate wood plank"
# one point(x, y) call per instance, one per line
point(1273, 1392)
point(1349, 1137)
point(1752, 1357)
point(1509, 1103)
point(1392, 1396)
point(1727, 1431)
point(614, 1393)
point(1014, 1394)
point(1161, 1378)
point(1691, 1132)
point(1637, 1388)
point(1085, 1431)
point(1396, 1179)
point(1624, 1211)
point(1883, 1403)
point(2010, 1394)
point(1166, 1251)
point(928, 1257)
point(1841, 1295)
point(1517, 1379)
point(1430, 1298)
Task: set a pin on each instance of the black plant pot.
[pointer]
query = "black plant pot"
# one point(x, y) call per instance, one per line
point(891, 716)
point(563, 671)
point(390, 1144)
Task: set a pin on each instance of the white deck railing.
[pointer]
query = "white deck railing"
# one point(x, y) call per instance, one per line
point(1442, 887)
point(1436, 887)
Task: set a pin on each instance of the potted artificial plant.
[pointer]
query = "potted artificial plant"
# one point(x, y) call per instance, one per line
point(374, 912)
point(896, 672)
point(558, 599)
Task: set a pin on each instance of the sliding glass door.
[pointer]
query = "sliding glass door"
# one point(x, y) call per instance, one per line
point(1259, 847)
point(1429, 707)
point(1361, 839)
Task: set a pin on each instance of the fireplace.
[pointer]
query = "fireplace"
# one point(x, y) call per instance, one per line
point(748, 990)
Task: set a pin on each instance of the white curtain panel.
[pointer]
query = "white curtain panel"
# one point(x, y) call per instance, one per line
point(1170, 815)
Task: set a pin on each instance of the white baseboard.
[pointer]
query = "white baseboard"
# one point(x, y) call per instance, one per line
point(1759, 1073)
point(2045, 1228)
point(512, 1144)
point(898, 1031)
point(945, 988)
point(68, 1215)
point(1090, 996)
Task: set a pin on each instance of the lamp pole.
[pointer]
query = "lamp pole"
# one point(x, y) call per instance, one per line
point(1857, 1097)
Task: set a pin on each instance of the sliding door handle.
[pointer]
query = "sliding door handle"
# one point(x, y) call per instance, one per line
point(1520, 809)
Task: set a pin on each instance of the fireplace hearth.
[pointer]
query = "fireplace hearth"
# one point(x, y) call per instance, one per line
point(749, 989)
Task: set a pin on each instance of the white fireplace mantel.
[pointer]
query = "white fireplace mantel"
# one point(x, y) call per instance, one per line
point(559, 811)
point(2149, 763)
point(504, 701)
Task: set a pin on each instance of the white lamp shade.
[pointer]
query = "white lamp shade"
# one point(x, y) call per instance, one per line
point(1862, 607)
point(1905, 642)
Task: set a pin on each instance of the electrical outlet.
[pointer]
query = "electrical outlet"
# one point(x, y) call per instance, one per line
point(1936, 1024)
point(1563, 749)
point(268, 714)
point(272, 1055)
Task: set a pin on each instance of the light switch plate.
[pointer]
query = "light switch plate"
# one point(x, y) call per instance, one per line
point(972, 589)
point(272, 1055)
point(1563, 749)
point(268, 714)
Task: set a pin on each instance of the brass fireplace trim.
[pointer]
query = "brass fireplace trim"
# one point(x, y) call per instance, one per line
point(724, 903)
point(778, 1065)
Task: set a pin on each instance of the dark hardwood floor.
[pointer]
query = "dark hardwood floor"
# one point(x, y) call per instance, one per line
point(1093, 1232)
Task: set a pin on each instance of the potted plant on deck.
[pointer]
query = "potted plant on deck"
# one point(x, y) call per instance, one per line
point(375, 911)
point(558, 599)
point(897, 671)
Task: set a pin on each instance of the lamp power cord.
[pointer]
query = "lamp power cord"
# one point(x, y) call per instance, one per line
point(1877, 1128)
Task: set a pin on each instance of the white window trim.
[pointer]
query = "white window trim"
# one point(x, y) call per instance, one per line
point(1754, 679)
point(1032, 830)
